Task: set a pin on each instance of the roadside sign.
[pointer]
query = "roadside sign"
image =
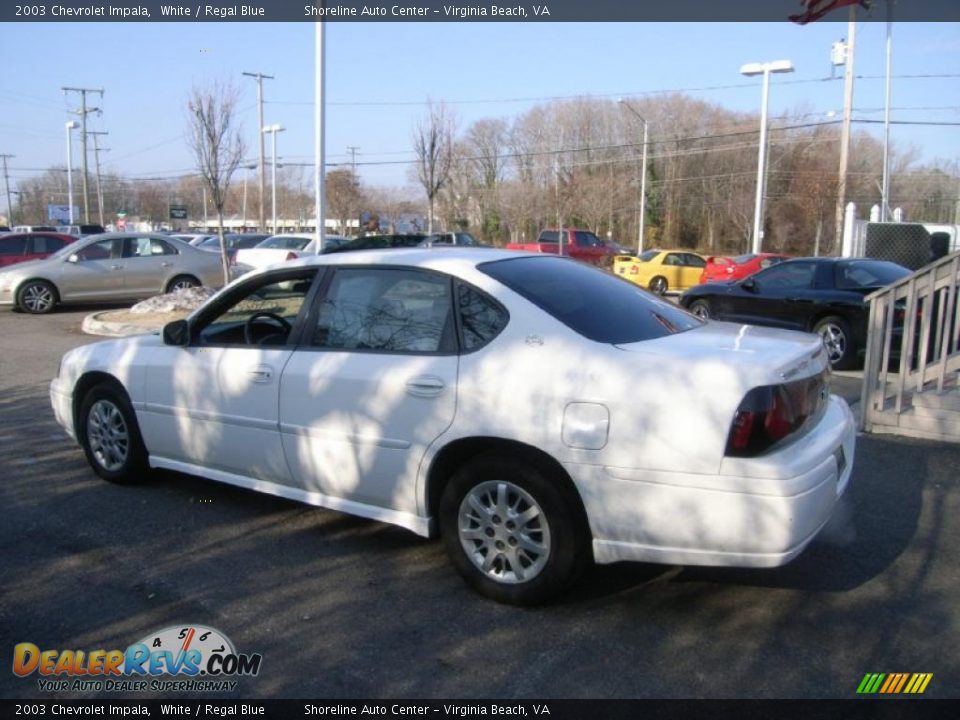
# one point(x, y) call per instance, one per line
point(178, 212)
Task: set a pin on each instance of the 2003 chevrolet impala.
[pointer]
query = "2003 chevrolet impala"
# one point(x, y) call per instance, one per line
point(535, 412)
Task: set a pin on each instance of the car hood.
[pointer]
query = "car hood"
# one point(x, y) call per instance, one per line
point(769, 353)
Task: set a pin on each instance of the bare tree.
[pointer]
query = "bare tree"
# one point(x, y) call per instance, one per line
point(343, 197)
point(217, 145)
point(433, 145)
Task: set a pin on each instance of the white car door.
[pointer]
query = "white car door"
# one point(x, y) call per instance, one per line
point(372, 384)
point(214, 402)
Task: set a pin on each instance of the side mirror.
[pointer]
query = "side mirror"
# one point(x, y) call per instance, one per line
point(750, 285)
point(176, 333)
point(74, 258)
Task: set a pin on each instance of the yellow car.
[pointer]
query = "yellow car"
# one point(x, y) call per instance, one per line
point(661, 271)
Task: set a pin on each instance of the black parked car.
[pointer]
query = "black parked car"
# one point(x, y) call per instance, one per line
point(379, 242)
point(821, 295)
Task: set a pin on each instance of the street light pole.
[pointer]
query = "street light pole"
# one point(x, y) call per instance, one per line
point(751, 69)
point(70, 125)
point(643, 178)
point(273, 130)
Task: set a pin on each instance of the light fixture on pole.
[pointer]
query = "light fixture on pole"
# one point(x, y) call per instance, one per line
point(70, 125)
point(751, 69)
point(643, 176)
point(273, 130)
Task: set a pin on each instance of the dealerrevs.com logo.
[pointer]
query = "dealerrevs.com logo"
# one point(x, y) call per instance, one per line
point(187, 657)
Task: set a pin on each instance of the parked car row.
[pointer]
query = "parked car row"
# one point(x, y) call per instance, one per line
point(111, 266)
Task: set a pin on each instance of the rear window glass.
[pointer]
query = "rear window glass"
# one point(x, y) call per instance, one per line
point(648, 255)
point(591, 302)
point(868, 273)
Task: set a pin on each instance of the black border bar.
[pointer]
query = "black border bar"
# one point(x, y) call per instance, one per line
point(460, 11)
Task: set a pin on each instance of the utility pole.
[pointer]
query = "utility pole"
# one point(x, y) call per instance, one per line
point(352, 149)
point(83, 112)
point(845, 132)
point(6, 181)
point(96, 158)
point(260, 77)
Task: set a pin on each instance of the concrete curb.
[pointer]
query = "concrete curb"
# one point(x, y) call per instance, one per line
point(94, 325)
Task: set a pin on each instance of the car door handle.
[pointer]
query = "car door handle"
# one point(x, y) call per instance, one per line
point(261, 373)
point(166, 264)
point(116, 267)
point(803, 301)
point(425, 386)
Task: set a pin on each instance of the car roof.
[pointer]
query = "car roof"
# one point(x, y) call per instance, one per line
point(451, 260)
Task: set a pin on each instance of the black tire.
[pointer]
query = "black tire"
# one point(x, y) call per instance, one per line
point(700, 308)
point(837, 341)
point(555, 529)
point(182, 282)
point(105, 418)
point(659, 285)
point(37, 297)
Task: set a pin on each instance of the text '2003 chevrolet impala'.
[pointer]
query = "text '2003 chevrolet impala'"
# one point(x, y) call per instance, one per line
point(534, 412)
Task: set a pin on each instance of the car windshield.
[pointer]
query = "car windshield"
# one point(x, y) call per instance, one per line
point(868, 273)
point(593, 303)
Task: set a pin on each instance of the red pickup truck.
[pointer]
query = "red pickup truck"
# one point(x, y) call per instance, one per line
point(579, 244)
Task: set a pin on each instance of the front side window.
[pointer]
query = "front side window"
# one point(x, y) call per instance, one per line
point(259, 314)
point(597, 305)
point(103, 250)
point(386, 310)
point(586, 239)
point(44, 244)
point(792, 275)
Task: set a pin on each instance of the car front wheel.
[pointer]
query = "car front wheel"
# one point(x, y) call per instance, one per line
point(110, 436)
point(837, 341)
point(510, 532)
point(700, 308)
point(37, 297)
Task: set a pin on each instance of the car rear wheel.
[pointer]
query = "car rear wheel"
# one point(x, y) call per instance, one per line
point(837, 341)
point(659, 285)
point(110, 436)
point(701, 308)
point(510, 532)
point(37, 297)
point(182, 282)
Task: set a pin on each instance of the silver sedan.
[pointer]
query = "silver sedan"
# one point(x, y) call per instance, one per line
point(112, 266)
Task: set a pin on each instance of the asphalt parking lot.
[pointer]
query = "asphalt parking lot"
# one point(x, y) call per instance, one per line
point(341, 607)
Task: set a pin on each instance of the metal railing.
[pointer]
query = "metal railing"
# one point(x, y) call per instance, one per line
point(913, 339)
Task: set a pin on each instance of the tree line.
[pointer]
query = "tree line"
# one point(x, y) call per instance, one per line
point(578, 162)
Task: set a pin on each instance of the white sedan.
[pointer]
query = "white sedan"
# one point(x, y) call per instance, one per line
point(278, 248)
point(535, 412)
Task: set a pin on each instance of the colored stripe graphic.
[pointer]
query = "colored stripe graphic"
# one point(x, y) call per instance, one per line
point(894, 683)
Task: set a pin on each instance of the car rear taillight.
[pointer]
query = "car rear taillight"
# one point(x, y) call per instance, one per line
point(770, 413)
point(291, 256)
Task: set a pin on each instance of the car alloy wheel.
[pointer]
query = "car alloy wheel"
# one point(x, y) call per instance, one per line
point(504, 532)
point(836, 341)
point(37, 297)
point(514, 529)
point(701, 308)
point(182, 283)
point(659, 285)
point(108, 435)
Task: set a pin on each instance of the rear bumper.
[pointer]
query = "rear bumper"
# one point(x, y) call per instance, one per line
point(759, 512)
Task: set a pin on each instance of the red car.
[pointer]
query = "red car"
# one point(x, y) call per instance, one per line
point(20, 247)
point(721, 269)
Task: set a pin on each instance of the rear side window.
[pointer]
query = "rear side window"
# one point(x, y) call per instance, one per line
point(12, 245)
point(597, 305)
point(481, 317)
